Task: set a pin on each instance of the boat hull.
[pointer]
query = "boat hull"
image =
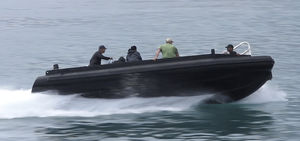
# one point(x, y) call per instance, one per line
point(233, 77)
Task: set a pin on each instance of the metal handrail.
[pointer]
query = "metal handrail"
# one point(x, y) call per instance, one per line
point(246, 52)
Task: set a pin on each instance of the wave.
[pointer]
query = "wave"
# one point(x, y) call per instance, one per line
point(21, 103)
point(267, 93)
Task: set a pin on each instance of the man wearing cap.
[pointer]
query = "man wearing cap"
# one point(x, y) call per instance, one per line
point(230, 50)
point(168, 50)
point(96, 59)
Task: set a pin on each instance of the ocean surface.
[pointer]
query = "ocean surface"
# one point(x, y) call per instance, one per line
point(35, 34)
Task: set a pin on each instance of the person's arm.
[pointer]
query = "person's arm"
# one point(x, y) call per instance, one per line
point(156, 54)
point(126, 58)
point(104, 57)
point(176, 52)
point(139, 56)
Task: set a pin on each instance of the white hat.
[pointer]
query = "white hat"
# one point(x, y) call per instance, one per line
point(169, 40)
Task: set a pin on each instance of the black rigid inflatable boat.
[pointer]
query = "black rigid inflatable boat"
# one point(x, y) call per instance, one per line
point(233, 77)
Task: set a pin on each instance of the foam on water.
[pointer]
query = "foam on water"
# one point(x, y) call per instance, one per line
point(21, 103)
point(267, 93)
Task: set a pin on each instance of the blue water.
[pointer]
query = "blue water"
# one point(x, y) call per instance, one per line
point(35, 34)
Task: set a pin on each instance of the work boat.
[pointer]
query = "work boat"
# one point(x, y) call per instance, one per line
point(227, 77)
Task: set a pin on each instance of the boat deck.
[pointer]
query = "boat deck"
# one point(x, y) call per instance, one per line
point(144, 62)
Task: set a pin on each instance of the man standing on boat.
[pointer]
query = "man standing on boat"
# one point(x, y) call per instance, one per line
point(168, 50)
point(96, 58)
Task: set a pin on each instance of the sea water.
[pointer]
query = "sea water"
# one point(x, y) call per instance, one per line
point(35, 34)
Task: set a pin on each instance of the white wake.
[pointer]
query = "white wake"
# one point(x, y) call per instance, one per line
point(267, 93)
point(21, 103)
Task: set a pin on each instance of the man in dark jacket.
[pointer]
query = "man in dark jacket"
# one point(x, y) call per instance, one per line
point(133, 55)
point(230, 50)
point(96, 59)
